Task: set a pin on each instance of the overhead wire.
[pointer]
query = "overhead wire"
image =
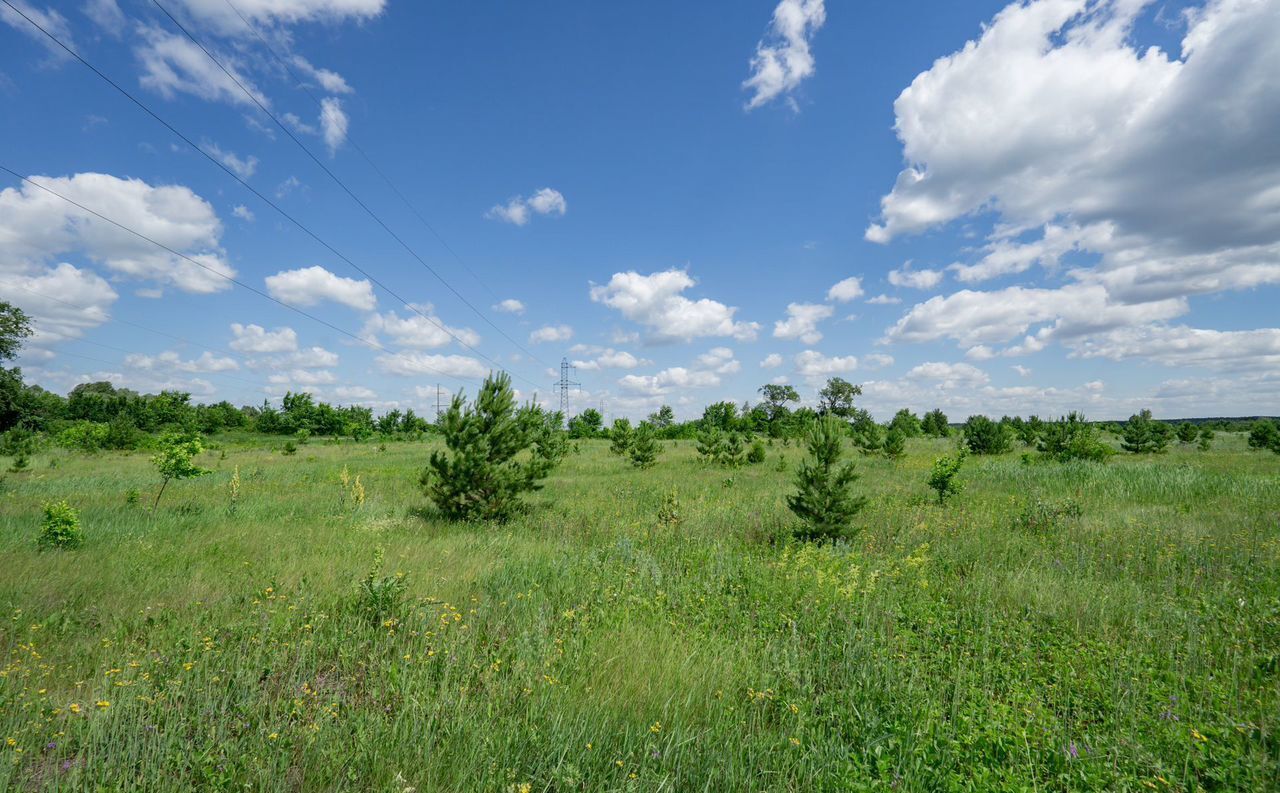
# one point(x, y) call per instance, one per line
point(336, 179)
point(298, 224)
point(231, 279)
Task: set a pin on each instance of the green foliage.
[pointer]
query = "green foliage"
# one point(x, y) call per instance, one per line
point(21, 462)
point(710, 444)
point(867, 434)
point(756, 454)
point(587, 424)
point(984, 436)
point(1187, 432)
point(644, 447)
point(907, 423)
point(84, 436)
point(16, 441)
point(934, 424)
point(942, 477)
point(895, 443)
point(60, 527)
point(663, 418)
point(731, 451)
point(824, 498)
point(480, 478)
point(836, 398)
point(174, 459)
point(379, 598)
point(1144, 435)
point(1071, 438)
point(1206, 439)
point(289, 449)
point(669, 514)
point(1265, 434)
point(620, 437)
point(132, 496)
point(1041, 517)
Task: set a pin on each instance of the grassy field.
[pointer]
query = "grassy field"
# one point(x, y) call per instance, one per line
point(985, 645)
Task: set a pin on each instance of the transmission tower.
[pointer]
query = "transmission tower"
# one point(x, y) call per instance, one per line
point(563, 385)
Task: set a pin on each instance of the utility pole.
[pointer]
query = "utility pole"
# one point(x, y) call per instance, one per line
point(437, 403)
point(563, 385)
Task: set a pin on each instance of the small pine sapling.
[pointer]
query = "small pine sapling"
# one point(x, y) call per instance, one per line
point(824, 497)
point(895, 443)
point(620, 437)
point(756, 454)
point(644, 447)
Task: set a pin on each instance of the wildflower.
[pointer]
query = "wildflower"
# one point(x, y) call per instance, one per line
point(273, 736)
point(74, 707)
point(795, 741)
point(102, 704)
point(1196, 734)
point(656, 727)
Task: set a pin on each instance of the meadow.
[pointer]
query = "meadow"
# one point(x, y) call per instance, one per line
point(1056, 626)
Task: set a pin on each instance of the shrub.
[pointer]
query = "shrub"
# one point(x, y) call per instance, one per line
point(756, 454)
point(21, 462)
point(895, 443)
point(1265, 435)
point(289, 449)
point(906, 422)
point(644, 448)
point(620, 437)
point(480, 478)
point(1144, 435)
point(132, 496)
point(1071, 438)
point(942, 477)
point(1040, 517)
point(1206, 439)
point(174, 459)
point(984, 436)
point(1187, 432)
point(17, 441)
point(935, 424)
point(824, 499)
point(60, 527)
point(84, 436)
point(669, 510)
point(731, 451)
point(867, 434)
point(710, 443)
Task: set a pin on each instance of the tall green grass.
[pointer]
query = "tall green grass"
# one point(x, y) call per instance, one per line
point(589, 646)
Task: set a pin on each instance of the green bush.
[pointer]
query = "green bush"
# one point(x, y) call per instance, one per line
point(824, 498)
point(1144, 435)
point(479, 478)
point(1265, 434)
point(644, 446)
point(1040, 517)
point(756, 454)
point(174, 460)
point(1071, 438)
point(984, 436)
point(84, 436)
point(380, 597)
point(942, 477)
point(895, 443)
point(710, 443)
point(620, 437)
point(60, 527)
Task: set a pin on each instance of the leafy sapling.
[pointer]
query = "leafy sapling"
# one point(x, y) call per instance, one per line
point(174, 459)
point(60, 527)
point(942, 478)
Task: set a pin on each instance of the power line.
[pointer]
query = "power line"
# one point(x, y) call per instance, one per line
point(329, 172)
point(236, 281)
point(351, 142)
point(246, 185)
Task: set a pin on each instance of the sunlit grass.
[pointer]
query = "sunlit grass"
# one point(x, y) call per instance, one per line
point(589, 646)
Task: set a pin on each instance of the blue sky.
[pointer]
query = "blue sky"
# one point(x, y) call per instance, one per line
point(1036, 208)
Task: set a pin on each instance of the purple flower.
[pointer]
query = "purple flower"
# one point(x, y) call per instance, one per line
point(1072, 751)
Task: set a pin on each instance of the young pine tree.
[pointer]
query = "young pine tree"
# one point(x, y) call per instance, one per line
point(644, 446)
point(1187, 432)
point(479, 478)
point(620, 437)
point(1144, 435)
point(710, 443)
point(895, 443)
point(824, 499)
